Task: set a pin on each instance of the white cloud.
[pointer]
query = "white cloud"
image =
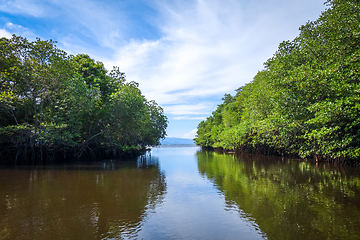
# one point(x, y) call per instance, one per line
point(4, 33)
point(186, 109)
point(190, 134)
point(189, 118)
point(19, 30)
point(207, 47)
point(24, 7)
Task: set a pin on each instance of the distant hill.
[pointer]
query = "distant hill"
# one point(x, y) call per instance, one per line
point(177, 141)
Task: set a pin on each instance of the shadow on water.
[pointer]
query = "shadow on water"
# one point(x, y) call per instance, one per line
point(99, 200)
point(288, 199)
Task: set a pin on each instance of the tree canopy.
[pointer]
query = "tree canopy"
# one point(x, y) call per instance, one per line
point(306, 101)
point(54, 104)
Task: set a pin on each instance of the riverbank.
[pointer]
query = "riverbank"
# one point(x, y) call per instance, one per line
point(27, 154)
point(268, 151)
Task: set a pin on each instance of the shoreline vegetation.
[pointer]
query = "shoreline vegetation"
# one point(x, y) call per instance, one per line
point(306, 101)
point(59, 107)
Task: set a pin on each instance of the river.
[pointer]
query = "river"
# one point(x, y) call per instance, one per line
point(181, 193)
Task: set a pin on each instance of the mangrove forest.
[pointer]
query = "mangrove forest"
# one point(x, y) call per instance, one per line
point(59, 106)
point(306, 100)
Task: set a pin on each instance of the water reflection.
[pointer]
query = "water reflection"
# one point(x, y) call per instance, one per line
point(94, 201)
point(288, 199)
point(208, 196)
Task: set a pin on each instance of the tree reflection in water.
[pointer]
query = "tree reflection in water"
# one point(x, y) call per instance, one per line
point(92, 201)
point(288, 199)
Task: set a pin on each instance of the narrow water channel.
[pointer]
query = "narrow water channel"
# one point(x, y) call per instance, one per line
point(181, 193)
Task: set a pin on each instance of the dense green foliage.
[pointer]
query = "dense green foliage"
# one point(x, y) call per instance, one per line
point(55, 103)
point(307, 99)
point(287, 199)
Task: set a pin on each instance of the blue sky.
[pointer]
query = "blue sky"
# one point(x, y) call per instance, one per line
point(185, 54)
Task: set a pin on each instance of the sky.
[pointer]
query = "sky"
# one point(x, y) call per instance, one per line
point(185, 54)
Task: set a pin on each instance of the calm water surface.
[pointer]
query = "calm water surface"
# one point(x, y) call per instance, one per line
point(181, 193)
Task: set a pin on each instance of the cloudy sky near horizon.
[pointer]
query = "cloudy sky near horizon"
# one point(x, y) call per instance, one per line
point(185, 54)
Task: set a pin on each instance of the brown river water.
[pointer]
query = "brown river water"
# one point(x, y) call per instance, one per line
point(181, 193)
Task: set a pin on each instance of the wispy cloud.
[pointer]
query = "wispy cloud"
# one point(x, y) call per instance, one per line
point(207, 48)
point(190, 134)
point(24, 7)
point(187, 117)
point(77, 23)
point(11, 28)
point(186, 109)
point(93, 19)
